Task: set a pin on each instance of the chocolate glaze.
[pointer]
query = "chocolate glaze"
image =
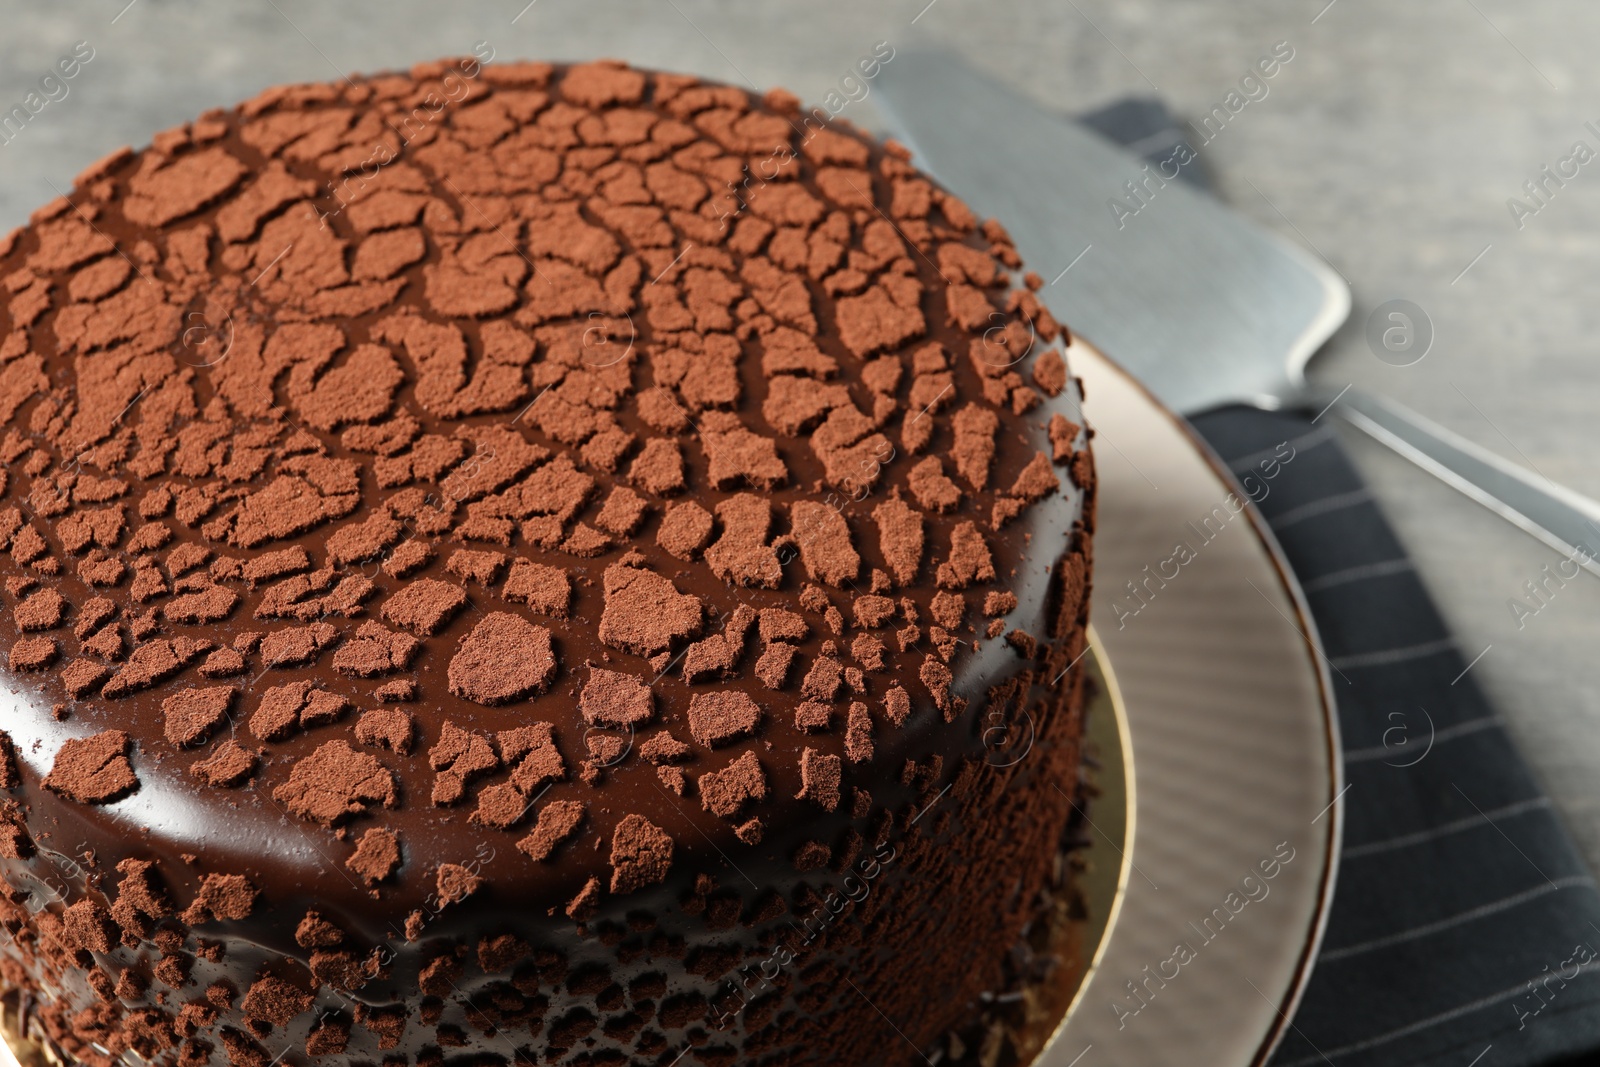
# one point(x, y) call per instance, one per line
point(634, 974)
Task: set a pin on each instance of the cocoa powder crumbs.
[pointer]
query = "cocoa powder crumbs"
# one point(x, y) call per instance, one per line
point(685, 530)
point(611, 698)
point(1050, 372)
point(900, 536)
point(532, 751)
point(641, 854)
point(780, 624)
point(544, 589)
point(969, 561)
point(42, 610)
point(932, 489)
point(93, 770)
point(275, 1001)
point(501, 806)
point(584, 906)
point(948, 608)
point(623, 512)
point(826, 547)
point(773, 665)
point(558, 820)
point(872, 611)
point(15, 842)
point(500, 953)
point(644, 613)
point(336, 782)
point(471, 565)
point(229, 765)
point(869, 651)
point(658, 468)
point(813, 716)
point(974, 447)
point(718, 718)
point(32, 654)
point(812, 856)
point(1063, 435)
point(743, 554)
point(330, 1037)
point(397, 691)
point(673, 779)
point(662, 747)
point(315, 931)
point(1036, 480)
point(897, 705)
point(229, 897)
point(723, 792)
point(456, 883)
point(458, 756)
point(998, 602)
point(377, 855)
point(504, 658)
point(391, 728)
point(424, 605)
point(858, 733)
point(10, 776)
point(88, 927)
point(192, 714)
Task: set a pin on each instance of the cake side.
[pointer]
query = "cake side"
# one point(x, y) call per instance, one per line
point(495, 554)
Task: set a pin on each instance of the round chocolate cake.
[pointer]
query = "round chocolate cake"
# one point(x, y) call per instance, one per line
point(527, 564)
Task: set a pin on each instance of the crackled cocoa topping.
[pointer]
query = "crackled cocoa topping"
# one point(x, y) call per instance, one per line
point(486, 548)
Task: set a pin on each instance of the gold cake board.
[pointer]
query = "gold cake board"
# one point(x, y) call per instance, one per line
point(18, 1050)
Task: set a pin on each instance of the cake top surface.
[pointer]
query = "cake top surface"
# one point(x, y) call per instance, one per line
point(508, 472)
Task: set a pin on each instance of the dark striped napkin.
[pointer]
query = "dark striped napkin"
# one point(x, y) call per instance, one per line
point(1465, 928)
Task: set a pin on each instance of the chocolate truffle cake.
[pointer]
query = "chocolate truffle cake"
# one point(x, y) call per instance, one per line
point(526, 564)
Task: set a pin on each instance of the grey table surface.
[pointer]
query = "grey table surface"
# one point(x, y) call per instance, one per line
point(1390, 145)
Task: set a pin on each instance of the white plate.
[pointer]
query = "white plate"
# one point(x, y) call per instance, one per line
point(1232, 751)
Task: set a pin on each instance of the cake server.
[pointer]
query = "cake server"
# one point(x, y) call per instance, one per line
point(1205, 308)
